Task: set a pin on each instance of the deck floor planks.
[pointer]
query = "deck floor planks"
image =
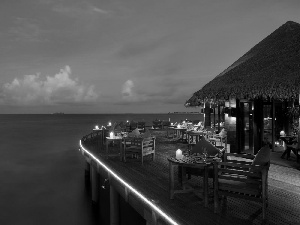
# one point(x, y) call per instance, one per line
point(152, 180)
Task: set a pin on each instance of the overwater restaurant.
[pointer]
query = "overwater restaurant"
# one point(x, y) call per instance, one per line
point(258, 95)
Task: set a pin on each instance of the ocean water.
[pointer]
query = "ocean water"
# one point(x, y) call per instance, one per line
point(41, 170)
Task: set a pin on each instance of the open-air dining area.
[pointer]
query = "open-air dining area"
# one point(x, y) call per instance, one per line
point(179, 178)
point(230, 166)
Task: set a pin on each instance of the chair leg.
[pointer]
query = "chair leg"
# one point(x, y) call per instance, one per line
point(264, 209)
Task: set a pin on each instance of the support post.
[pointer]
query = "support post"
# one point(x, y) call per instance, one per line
point(114, 206)
point(207, 122)
point(87, 173)
point(219, 117)
point(298, 131)
point(95, 184)
point(273, 125)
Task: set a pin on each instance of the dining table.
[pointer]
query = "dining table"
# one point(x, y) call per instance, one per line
point(290, 140)
point(189, 162)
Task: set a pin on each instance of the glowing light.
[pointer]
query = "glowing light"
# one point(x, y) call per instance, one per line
point(97, 127)
point(132, 189)
point(109, 124)
point(111, 134)
point(179, 154)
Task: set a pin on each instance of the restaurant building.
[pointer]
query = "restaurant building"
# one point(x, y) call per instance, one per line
point(258, 95)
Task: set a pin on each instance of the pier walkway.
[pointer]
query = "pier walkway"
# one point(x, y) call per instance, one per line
point(152, 180)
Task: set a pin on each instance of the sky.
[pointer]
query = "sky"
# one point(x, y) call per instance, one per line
point(124, 56)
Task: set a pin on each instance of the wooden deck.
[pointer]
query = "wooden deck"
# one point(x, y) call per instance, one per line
point(152, 180)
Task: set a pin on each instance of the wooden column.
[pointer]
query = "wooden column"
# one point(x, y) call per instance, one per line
point(214, 109)
point(230, 126)
point(299, 128)
point(207, 122)
point(95, 184)
point(273, 125)
point(219, 117)
point(240, 133)
point(114, 206)
point(258, 120)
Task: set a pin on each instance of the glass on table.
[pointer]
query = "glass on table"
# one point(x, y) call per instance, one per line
point(187, 152)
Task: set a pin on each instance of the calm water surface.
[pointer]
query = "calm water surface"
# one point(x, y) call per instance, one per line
point(41, 170)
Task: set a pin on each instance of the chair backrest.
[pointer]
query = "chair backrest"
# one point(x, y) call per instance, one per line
point(262, 158)
point(117, 129)
point(157, 123)
point(140, 142)
point(141, 125)
point(148, 143)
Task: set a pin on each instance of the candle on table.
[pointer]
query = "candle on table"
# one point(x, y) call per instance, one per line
point(179, 154)
point(111, 134)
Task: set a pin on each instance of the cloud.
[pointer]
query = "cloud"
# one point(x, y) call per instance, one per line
point(57, 89)
point(130, 94)
point(78, 9)
point(157, 91)
point(127, 88)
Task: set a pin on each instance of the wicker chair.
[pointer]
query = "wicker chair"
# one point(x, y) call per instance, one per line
point(243, 176)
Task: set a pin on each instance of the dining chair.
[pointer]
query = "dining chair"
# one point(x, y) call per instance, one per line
point(140, 147)
point(243, 176)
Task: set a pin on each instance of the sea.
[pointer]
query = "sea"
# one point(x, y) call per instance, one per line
point(42, 171)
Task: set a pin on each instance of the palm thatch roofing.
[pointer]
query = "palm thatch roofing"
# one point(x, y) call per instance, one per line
point(270, 70)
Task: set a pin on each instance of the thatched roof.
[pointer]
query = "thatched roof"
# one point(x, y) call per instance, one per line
point(271, 70)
